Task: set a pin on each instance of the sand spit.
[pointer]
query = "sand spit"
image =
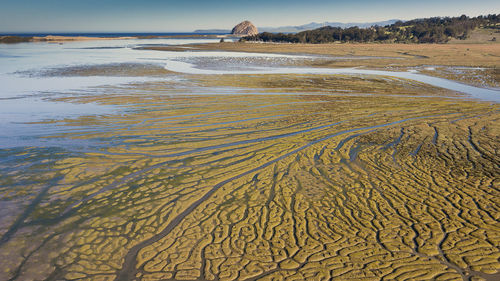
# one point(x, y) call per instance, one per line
point(54, 38)
point(61, 38)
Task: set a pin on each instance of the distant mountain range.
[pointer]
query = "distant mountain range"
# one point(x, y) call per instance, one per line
point(309, 26)
point(314, 25)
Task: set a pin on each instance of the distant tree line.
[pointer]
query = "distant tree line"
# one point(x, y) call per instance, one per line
point(14, 39)
point(429, 30)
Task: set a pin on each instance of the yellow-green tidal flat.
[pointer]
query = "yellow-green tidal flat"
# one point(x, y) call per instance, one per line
point(315, 177)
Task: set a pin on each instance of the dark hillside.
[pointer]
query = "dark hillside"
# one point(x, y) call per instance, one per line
point(430, 30)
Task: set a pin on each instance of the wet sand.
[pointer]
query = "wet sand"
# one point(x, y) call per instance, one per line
point(255, 176)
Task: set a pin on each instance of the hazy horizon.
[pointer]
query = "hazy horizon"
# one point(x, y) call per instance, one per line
point(154, 16)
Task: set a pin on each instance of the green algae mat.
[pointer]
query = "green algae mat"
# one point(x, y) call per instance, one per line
point(385, 180)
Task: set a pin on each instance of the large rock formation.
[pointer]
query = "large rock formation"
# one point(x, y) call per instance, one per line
point(245, 28)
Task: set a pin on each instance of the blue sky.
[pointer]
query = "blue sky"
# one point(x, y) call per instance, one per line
point(187, 15)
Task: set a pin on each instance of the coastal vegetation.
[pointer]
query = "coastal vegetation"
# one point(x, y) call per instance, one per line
point(11, 39)
point(429, 30)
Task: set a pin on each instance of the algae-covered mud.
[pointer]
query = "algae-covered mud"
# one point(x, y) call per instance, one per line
point(155, 173)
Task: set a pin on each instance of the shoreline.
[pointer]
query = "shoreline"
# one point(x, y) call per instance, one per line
point(466, 63)
point(473, 54)
point(16, 38)
point(12, 39)
point(56, 38)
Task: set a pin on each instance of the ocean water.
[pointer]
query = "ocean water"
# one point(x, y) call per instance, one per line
point(474, 92)
point(18, 60)
point(28, 96)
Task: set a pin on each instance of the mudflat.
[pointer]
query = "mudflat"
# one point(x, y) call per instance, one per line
point(266, 176)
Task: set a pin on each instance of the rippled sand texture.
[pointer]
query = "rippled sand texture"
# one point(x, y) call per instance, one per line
point(261, 187)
